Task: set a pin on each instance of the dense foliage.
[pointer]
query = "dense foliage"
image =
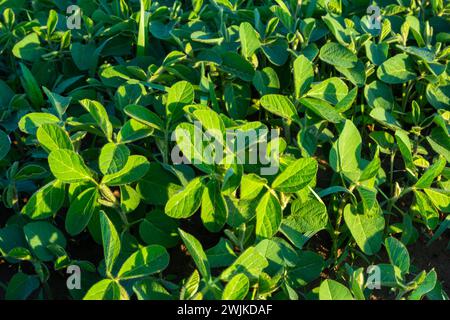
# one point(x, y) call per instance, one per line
point(90, 118)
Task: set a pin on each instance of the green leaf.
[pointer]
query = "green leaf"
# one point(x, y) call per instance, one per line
point(144, 116)
point(31, 87)
point(396, 70)
point(144, 262)
point(100, 116)
point(211, 122)
point(398, 254)
point(84, 56)
point(345, 154)
point(129, 199)
point(439, 140)
point(279, 105)
point(331, 90)
point(266, 81)
point(132, 131)
point(432, 172)
point(377, 52)
point(81, 210)
point(191, 142)
point(276, 51)
point(214, 209)
point(187, 201)
point(250, 263)
point(30, 122)
point(307, 269)
point(425, 208)
point(113, 158)
point(249, 39)
point(157, 186)
point(40, 235)
point(29, 48)
point(20, 253)
point(180, 95)
point(333, 290)
point(385, 118)
point(142, 41)
point(68, 166)
point(322, 109)
point(190, 287)
point(235, 64)
point(45, 202)
point(404, 145)
point(379, 95)
point(425, 286)
point(53, 137)
point(59, 103)
point(296, 176)
point(135, 168)
point(21, 286)
point(440, 198)
point(5, 144)
point(438, 96)
point(237, 288)
point(356, 74)
point(105, 289)
point(150, 289)
point(338, 55)
point(308, 216)
point(303, 75)
point(279, 254)
point(268, 216)
point(222, 254)
point(11, 236)
point(372, 169)
point(110, 240)
point(158, 228)
point(366, 227)
point(198, 255)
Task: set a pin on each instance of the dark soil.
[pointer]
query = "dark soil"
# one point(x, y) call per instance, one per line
point(437, 256)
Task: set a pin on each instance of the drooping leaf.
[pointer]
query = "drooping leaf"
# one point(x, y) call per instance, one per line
point(198, 255)
point(81, 210)
point(110, 240)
